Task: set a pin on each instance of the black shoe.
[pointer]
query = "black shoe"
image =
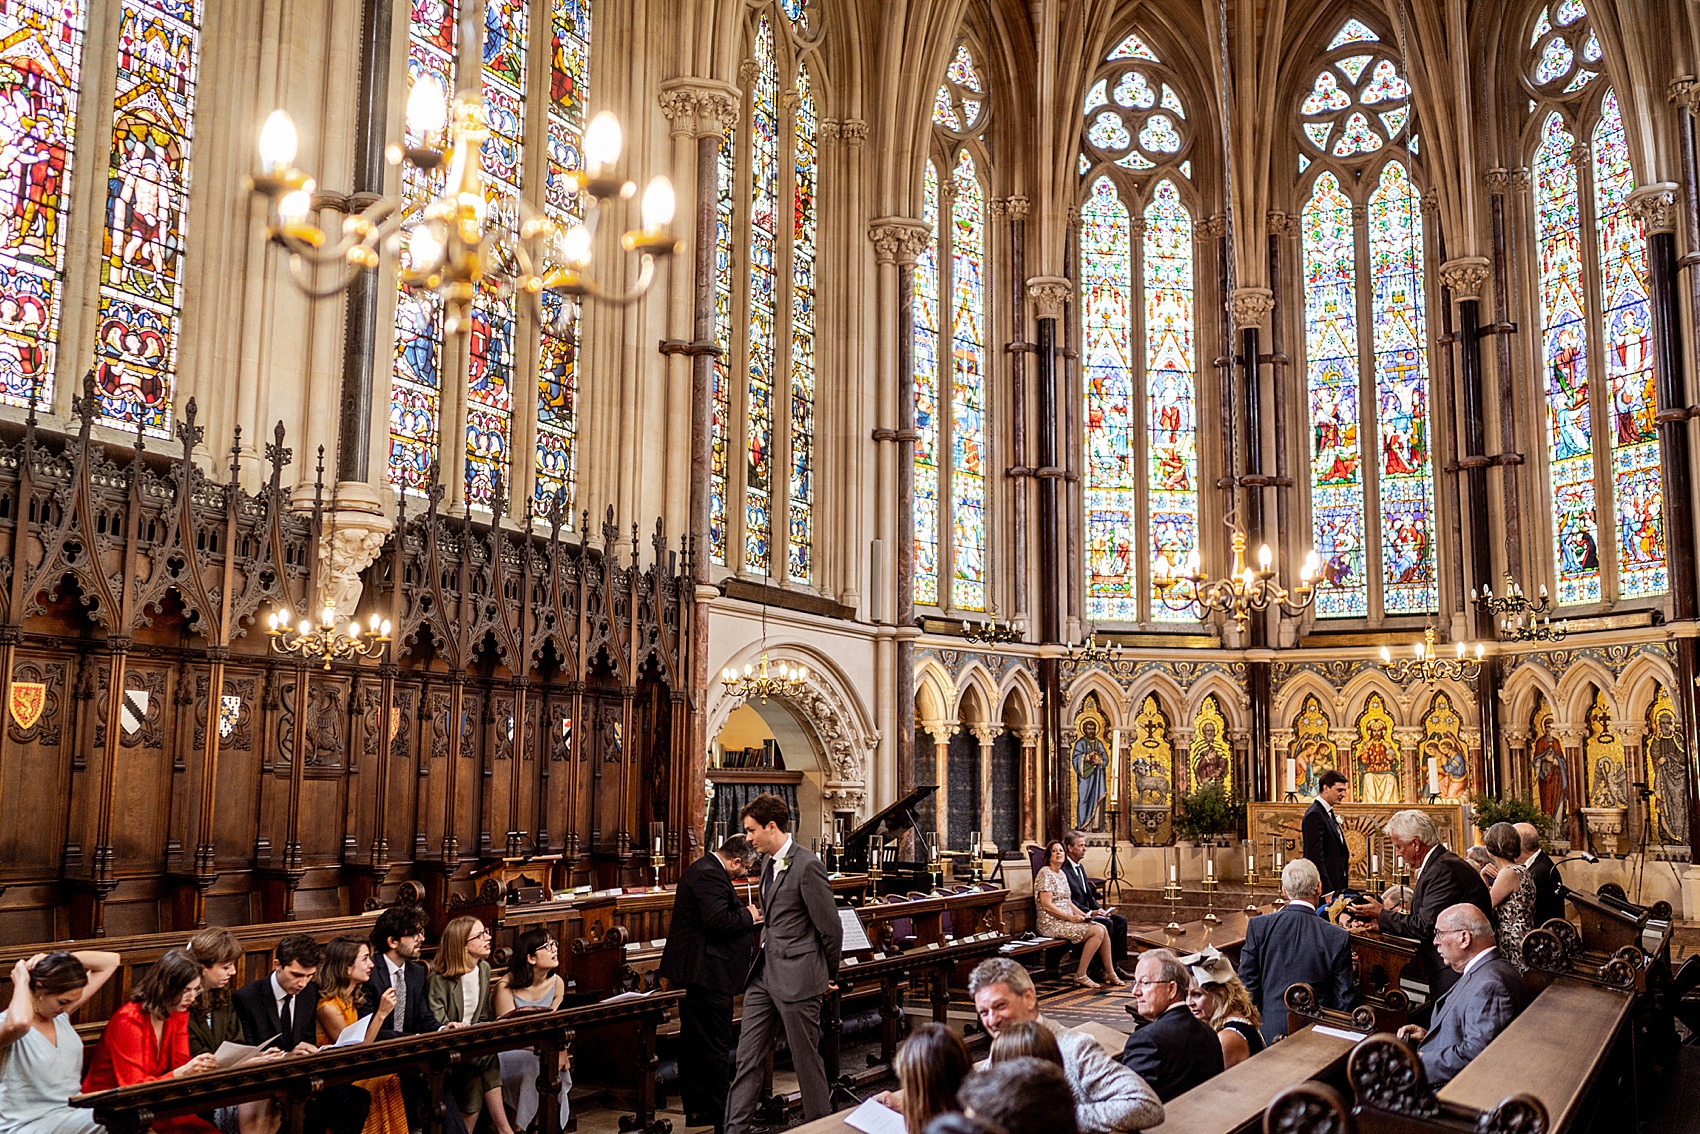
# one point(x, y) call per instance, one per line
point(1124, 974)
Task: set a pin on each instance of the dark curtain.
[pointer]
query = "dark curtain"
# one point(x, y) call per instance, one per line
point(963, 764)
point(729, 799)
point(1006, 791)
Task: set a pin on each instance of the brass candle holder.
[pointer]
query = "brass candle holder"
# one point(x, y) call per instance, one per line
point(1172, 895)
point(876, 864)
point(657, 860)
point(935, 864)
point(1210, 885)
point(1251, 907)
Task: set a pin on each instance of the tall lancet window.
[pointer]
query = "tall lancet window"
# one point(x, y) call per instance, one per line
point(761, 503)
point(950, 350)
point(1366, 335)
point(516, 163)
point(1138, 337)
point(1596, 358)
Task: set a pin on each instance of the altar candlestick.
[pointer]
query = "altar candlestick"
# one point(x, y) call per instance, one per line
point(1292, 775)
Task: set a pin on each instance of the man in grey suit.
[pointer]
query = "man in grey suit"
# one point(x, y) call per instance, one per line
point(1489, 994)
point(1294, 946)
point(793, 968)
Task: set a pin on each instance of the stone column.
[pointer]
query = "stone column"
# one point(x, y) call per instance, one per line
point(985, 734)
point(1573, 737)
point(1050, 295)
point(940, 731)
point(898, 241)
point(1021, 466)
point(1250, 306)
point(1028, 822)
point(1518, 780)
point(1509, 459)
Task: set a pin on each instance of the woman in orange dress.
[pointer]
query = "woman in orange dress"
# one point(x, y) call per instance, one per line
point(342, 993)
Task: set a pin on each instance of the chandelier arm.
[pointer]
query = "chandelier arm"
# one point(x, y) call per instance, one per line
point(302, 273)
point(646, 276)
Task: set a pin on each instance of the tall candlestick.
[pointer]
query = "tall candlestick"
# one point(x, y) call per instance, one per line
point(1292, 775)
point(1115, 764)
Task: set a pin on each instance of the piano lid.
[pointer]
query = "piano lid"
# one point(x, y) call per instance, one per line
point(899, 815)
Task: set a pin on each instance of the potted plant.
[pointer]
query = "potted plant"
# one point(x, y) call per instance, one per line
point(1207, 814)
point(1486, 810)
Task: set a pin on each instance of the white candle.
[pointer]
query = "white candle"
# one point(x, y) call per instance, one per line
point(1172, 875)
point(1292, 774)
point(1433, 775)
point(658, 844)
point(1210, 868)
point(1375, 864)
point(1278, 858)
point(1251, 864)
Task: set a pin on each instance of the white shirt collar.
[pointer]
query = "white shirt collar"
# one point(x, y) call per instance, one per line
point(1491, 950)
point(1426, 857)
point(1301, 902)
point(783, 851)
point(1326, 806)
point(396, 971)
point(278, 994)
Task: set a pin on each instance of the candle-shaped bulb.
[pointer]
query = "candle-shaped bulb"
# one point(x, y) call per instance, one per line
point(1478, 651)
point(1386, 655)
point(354, 629)
point(658, 204)
point(575, 245)
point(427, 106)
point(294, 207)
point(1460, 648)
point(424, 248)
point(1192, 561)
point(602, 142)
point(277, 142)
point(1264, 557)
point(306, 627)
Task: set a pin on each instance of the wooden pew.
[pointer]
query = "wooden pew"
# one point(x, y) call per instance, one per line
point(1234, 1101)
point(592, 1027)
point(1565, 1062)
point(934, 963)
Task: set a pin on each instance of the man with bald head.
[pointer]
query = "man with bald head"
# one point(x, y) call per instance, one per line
point(1487, 997)
point(1549, 896)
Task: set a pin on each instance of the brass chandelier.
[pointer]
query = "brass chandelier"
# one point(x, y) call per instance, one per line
point(1428, 666)
point(756, 683)
point(326, 641)
point(1523, 620)
point(1240, 592)
point(460, 238)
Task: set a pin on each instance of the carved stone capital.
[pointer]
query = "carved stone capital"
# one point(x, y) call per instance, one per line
point(1430, 202)
point(940, 731)
point(1655, 204)
point(1050, 295)
point(1213, 226)
point(985, 734)
point(899, 238)
point(854, 131)
point(1520, 178)
point(1250, 306)
point(748, 72)
point(830, 131)
point(1278, 223)
point(1498, 180)
point(356, 533)
point(1465, 275)
point(998, 207)
point(1018, 207)
point(700, 106)
point(1681, 91)
point(1029, 737)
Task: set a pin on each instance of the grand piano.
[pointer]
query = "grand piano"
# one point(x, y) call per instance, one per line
point(889, 825)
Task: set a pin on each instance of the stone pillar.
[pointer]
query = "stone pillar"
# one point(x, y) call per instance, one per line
point(940, 731)
point(1573, 737)
point(1050, 295)
point(1509, 460)
point(1518, 779)
point(1028, 821)
point(1021, 466)
point(1249, 307)
point(985, 734)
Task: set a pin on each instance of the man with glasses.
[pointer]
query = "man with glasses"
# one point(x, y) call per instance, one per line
point(1487, 996)
point(1175, 1051)
point(708, 955)
point(1442, 880)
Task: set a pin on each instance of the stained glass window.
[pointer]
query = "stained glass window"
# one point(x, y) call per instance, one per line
point(1112, 490)
point(147, 199)
point(799, 538)
point(967, 379)
point(926, 353)
point(416, 378)
point(950, 322)
point(41, 48)
point(1627, 349)
point(1564, 339)
point(761, 507)
point(1400, 347)
point(557, 371)
point(1137, 340)
point(1331, 353)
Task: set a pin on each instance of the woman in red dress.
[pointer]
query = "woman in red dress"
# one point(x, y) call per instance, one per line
point(148, 1038)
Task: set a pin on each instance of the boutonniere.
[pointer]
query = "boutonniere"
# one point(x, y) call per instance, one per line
point(782, 866)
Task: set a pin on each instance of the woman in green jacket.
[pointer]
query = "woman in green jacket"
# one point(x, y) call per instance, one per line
point(459, 993)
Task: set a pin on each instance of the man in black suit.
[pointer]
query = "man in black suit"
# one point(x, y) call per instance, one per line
point(1442, 879)
point(1176, 1051)
point(1549, 886)
point(1085, 900)
point(285, 1004)
point(1325, 843)
point(709, 949)
point(397, 937)
point(1295, 946)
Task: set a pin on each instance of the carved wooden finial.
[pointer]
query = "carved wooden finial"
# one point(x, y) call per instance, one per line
point(235, 454)
point(498, 499)
point(84, 406)
point(187, 431)
point(276, 455)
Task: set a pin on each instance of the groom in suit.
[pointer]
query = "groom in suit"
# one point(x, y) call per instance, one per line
point(1488, 995)
point(794, 966)
point(1325, 843)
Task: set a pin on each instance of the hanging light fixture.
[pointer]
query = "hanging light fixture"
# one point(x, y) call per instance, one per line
point(1091, 652)
point(1244, 589)
point(459, 238)
point(991, 632)
point(1524, 620)
point(328, 640)
point(1428, 666)
point(755, 683)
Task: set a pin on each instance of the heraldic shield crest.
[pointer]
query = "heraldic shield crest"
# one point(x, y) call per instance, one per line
point(28, 699)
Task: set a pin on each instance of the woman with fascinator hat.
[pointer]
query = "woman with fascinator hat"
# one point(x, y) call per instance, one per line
point(1220, 1000)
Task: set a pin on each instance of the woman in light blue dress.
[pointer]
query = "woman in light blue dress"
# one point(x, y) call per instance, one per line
point(531, 982)
point(41, 1055)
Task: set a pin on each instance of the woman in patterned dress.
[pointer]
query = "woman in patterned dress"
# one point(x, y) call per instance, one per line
point(1513, 892)
point(1058, 918)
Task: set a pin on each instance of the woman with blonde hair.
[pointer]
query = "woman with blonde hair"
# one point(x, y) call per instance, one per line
point(930, 1065)
point(1222, 1001)
point(1027, 1040)
point(343, 993)
point(459, 993)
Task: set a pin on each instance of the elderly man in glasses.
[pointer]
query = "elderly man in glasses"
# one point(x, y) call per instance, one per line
point(1488, 995)
point(1176, 1050)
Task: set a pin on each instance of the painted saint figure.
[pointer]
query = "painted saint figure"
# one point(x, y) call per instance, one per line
point(1668, 769)
point(1552, 777)
point(1090, 759)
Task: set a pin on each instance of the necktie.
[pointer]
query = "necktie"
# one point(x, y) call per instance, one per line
point(286, 1020)
point(767, 876)
point(398, 981)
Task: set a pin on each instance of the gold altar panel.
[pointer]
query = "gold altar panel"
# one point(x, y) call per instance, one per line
point(1363, 825)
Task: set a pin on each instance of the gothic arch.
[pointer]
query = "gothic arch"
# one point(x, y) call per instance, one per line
point(1230, 696)
point(1154, 682)
point(974, 704)
point(1287, 700)
point(1020, 694)
point(935, 693)
point(1576, 693)
point(1110, 698)
point(1642, 678)
point(1401, 703)
point(1528, 683)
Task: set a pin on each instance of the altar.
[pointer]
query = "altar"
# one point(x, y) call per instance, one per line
point(1277, 828)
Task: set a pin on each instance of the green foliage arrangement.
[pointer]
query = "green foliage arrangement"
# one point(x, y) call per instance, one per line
point(1207, 813)
point(1486, 810)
